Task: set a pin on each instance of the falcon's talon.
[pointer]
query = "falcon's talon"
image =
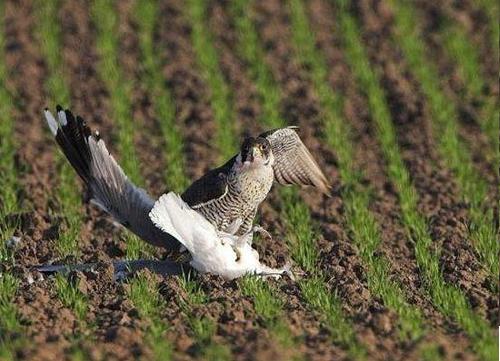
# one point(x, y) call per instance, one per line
point(259, 229)
point(238, 254)
point(246, 238)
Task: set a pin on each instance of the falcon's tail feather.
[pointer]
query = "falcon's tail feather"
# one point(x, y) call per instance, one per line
point(108, 185)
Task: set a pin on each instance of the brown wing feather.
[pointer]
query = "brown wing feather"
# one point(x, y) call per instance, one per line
point(293, 163)
point(211, 186)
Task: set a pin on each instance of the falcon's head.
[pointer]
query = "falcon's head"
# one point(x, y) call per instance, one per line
point(256, 152)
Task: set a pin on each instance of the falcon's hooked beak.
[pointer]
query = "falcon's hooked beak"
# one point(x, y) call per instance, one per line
point(252, 154)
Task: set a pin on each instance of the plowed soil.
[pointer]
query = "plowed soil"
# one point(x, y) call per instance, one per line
point(112, 329)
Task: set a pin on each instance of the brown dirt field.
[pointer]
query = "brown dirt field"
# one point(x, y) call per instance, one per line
point(439, 196)
point(469, 108)
point(181, 77)
point(38, 304)
point(301, 107)
point(395, 243)
point(113, 328)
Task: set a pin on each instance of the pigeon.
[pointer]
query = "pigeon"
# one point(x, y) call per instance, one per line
point(215, 252)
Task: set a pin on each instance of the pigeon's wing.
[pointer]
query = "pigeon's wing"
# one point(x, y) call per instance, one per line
point(108, 185)
point(209, 254)
point(210, 187)
point(174, 216)
point(293, 163)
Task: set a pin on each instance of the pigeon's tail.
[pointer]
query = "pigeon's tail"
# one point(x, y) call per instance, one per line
point(72, 136)
point(108, 185)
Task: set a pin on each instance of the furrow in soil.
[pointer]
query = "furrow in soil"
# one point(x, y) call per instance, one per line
point(339, 260)
point(395, 245)
point(471, 104)
point(248, 107)
point(439, 198)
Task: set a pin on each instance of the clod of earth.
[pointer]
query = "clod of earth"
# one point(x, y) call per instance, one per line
point(213, 219)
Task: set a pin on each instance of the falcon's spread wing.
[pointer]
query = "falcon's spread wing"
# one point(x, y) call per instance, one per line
point(109, 187)
point(211, 186)
point(293, 163)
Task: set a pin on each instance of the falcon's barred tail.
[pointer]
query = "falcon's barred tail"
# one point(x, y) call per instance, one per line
point(108, 185)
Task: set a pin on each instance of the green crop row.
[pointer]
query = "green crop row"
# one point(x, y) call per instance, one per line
point(105, 19)
point(492, 9)
point(208, 63)
point(300, 231)
point(71, 296)
point(447, 298)
point(144, 293)
point(221, 104)
point(8, 182)
point(453, 151)
point(9, 204)
point(338, 135)
point(466, 56)
point(48, 32)
point(463, 52)
point(268, 304)
point(10, 321)
point(146, 16)
point(252, 53)
point(301, 236)
point(68, 292)
point(9, 317)
point(269, 311)
point(204, 328)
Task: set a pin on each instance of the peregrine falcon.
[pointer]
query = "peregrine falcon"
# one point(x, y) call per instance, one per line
point(228, 196)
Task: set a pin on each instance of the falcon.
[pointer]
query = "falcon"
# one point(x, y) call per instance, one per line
point(228, 196)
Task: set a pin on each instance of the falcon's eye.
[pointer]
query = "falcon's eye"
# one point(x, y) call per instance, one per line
point(265, 146)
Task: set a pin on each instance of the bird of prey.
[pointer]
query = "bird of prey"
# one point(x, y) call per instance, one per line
point(228, 196)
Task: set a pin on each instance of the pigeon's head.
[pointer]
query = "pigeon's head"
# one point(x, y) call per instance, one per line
point(256, 151)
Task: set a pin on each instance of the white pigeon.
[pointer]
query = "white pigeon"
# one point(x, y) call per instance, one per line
point(212, 251)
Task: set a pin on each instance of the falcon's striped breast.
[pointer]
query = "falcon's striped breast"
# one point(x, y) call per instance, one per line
point(245, 191)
